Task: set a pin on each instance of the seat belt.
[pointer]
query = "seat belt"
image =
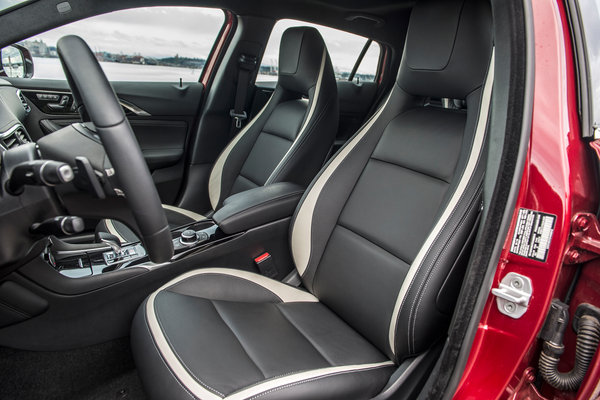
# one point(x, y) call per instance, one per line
point(246, 64)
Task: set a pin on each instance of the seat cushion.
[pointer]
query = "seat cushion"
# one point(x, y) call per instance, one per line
point(223, 333)
point(175, 216)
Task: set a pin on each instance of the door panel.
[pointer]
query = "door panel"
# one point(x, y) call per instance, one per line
point(161, 116)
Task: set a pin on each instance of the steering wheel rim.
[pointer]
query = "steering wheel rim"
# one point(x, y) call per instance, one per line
point(96, 99)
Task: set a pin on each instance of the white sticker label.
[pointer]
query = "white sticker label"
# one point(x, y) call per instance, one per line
point(533, 234)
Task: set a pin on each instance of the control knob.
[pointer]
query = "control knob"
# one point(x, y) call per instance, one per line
point(188, 237)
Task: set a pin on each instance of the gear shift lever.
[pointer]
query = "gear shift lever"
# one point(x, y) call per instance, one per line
point(109, 239)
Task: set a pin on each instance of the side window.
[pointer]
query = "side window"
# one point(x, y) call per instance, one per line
point(344, 49)
point(154, 44)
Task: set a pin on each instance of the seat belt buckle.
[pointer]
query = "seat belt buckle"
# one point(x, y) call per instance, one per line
point(266, 265)
point(238, 117)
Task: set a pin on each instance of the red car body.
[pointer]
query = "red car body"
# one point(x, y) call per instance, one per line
point(559, 179)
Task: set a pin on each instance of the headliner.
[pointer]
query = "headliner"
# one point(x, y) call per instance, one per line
point(378, 19)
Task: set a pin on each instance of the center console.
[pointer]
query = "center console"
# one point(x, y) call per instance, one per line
point(81, 260)
point(239, 213)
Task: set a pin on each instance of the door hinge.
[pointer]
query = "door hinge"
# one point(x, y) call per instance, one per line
point(584, 240)
point(513, 295)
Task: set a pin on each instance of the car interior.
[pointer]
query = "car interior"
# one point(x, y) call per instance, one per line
point(336, 240)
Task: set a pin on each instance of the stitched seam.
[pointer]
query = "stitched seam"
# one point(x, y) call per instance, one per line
point(205, 385)
point(314, 379)
point(161, 357)
point(238, 339)
point(229, 276)
point(372, 242)
point(430, 248)
point(294, 150)
point(276, 135)
point(303, 335)
point(410, 169)
point(423, 286)
point(15, 310)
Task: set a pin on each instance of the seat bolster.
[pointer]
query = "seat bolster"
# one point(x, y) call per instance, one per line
point(346, 382)
point(234, 285)
point(156, 375)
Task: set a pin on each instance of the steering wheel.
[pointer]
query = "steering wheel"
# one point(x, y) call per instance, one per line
point(98, 103)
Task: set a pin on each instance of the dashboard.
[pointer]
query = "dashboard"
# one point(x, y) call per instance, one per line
point(14, 110)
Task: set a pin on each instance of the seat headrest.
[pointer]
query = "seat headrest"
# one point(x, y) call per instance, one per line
point(300, 58)
point(448, 48)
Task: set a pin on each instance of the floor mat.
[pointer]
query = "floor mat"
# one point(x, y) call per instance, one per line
point(101, 371)
point(125, 387)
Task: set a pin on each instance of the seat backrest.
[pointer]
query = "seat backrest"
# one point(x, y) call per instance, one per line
point(378, 232)
point(290, 137)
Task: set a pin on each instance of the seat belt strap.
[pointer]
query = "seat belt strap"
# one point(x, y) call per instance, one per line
point(247, 64)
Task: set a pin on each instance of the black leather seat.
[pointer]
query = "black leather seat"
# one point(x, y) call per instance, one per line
point(375, 239)
point(286, 142)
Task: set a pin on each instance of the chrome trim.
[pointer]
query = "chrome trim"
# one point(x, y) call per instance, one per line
point(134, 109)
point(11, 130)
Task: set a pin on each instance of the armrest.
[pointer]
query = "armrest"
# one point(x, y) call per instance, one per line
point(258, 206)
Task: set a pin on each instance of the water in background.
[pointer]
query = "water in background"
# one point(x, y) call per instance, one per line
point(50, 68)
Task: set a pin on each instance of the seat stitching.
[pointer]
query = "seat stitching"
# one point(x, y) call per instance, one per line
point(373, 243)
point(410, 169)
point(450, 217)
point(315, 120)
point(162, 359)
point(181, 360)
point(419, 269)
point(304, 336)
point(423, 287)
point(312, 380)
point(276, 134)
point(228, 276)
point(237, 338)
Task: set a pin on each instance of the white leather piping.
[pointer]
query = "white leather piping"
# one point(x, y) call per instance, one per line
point(302, 229)
point(183, 211)
point(216, 174)
point(476, 148)
point(287, 380)
point(284, 292)
point(306, 121)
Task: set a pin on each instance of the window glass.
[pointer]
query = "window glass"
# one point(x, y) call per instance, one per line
point(6, 4)
point(143, 44)
point(344, 49)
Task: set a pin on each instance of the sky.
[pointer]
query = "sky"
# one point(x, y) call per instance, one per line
point(190, 32)
point(153, 31)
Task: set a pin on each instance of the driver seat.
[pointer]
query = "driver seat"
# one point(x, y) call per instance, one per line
point(377, 241)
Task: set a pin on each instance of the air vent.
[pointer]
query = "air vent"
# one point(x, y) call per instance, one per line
point(14, 137)
point(20, 133)
point(23, 101)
